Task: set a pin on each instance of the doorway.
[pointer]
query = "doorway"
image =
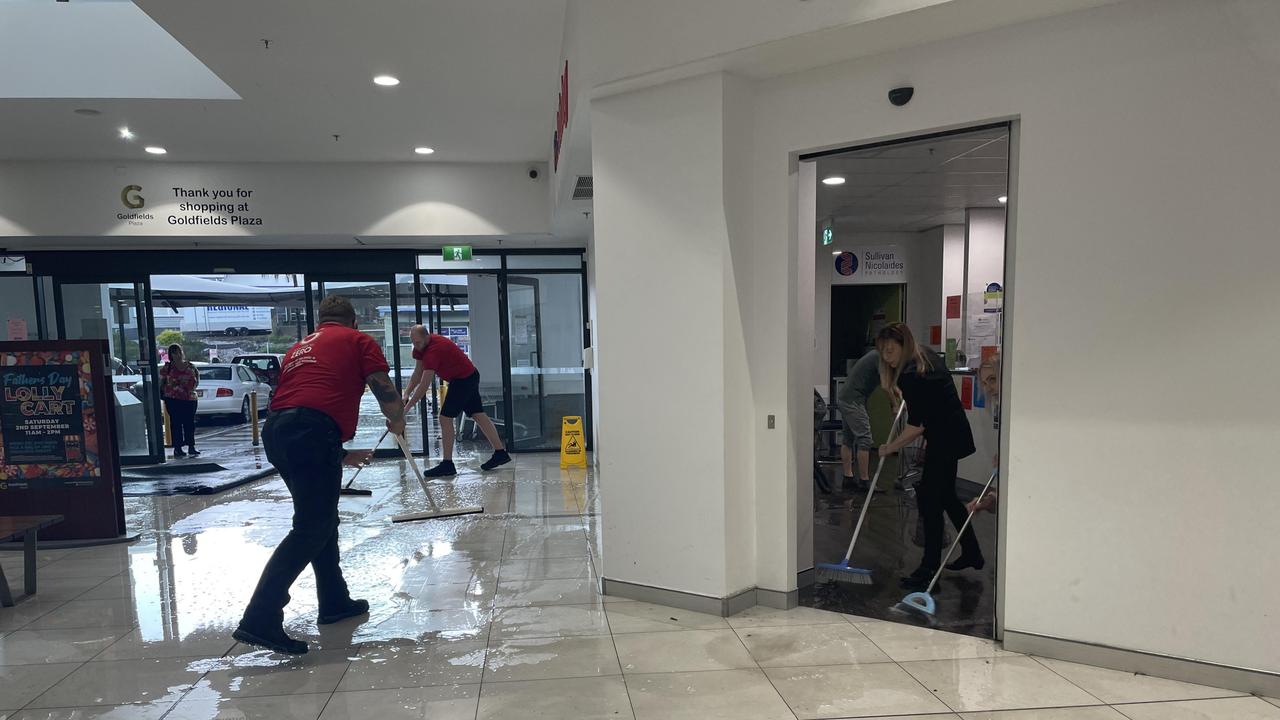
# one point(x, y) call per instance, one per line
point(917, 230)
point(119, 312)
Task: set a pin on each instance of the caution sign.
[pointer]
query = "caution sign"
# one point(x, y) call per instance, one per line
point(573, 447)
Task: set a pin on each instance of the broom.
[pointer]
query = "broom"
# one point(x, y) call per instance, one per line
point(841, 572)
point(922, 604)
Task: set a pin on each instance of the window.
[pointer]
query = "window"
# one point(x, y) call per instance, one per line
point(215, 373)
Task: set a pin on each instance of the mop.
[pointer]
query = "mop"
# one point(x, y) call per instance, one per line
point(347, 489)
point(436, 511)
point(921, 604)
point(841, 572)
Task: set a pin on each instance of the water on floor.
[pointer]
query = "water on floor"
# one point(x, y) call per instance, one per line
point(487, 616)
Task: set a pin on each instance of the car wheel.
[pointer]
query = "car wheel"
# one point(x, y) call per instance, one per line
point(244, 410)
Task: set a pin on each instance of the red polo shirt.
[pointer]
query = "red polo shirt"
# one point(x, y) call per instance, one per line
point(445, 357)
point(327, 371)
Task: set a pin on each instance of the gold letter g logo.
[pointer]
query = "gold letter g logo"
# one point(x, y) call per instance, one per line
point(130, 197)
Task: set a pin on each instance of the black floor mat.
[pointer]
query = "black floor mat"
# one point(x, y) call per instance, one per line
point(184, 483)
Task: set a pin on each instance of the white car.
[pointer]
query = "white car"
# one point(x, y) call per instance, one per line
point(225, 389)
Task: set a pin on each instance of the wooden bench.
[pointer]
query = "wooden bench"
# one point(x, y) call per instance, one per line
point(27, 527)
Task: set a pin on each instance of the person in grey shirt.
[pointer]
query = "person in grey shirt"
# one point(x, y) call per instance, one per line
point(863, 380)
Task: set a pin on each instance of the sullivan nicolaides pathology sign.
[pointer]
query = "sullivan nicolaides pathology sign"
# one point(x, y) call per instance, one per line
point(885, 264)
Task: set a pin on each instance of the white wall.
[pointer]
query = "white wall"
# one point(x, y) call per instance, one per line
point(1107, 100)
point(661, 247)
point(986, 248)
point(375, 199)
point(953, 260)
point(924, 283)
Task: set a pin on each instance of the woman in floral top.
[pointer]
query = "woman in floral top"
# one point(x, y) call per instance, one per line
point(178, 381)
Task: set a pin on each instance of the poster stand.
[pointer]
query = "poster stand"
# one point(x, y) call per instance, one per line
point(58, 451)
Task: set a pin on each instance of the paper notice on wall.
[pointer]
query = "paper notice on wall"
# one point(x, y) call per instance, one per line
point(17, 329)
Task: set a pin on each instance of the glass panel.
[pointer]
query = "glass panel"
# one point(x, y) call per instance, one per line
point(547, 380)
point(477, 262)
point(464, 308)
point(17, 308)
point(544, 262)
point(110, 312)
point(376, 318)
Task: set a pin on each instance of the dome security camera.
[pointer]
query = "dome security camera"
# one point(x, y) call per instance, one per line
point(900, 96)
point(533, 173)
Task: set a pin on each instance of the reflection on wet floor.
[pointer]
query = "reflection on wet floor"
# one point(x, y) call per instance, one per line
point(482, 616)
point(891, 546)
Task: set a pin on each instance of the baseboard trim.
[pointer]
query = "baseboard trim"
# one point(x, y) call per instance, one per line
point(1258, 682)
point(707, 604)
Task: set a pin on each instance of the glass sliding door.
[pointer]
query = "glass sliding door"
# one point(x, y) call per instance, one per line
point(376, 305)
point(464, 308)
point(545, 342)
point(120, 314)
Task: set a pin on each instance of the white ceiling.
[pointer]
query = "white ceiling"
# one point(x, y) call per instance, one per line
point(917, 185)
point(479, 84)
point(93, 50)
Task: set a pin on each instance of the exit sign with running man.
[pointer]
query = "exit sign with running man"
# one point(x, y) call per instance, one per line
point(456, 253)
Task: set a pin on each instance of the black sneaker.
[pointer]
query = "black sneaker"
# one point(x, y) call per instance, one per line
point(274, 639)
point(965, 562)
point(444, 469)
point(500, 458)
point(354, 609)
point(178, 453)
point(193, 452)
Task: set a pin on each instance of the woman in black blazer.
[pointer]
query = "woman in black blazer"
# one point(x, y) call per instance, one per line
point(918, 376)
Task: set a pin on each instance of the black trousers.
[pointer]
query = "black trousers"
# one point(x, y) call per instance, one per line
point(182, 422)
point(935, 497)
point(306, 447)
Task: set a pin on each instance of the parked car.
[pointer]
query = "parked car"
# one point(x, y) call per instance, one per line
point(225, 389)
point(265, 365)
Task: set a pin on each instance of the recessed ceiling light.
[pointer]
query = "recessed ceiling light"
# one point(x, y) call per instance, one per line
point(126, 133)
point(386, 80)
point(87, 112)
point(1003, 199)
point(424, 150)
point(837, 252)
point(833, 180)
point(155, 150)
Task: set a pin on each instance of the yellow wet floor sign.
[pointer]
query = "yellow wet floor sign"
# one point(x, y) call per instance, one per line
point(573, 447)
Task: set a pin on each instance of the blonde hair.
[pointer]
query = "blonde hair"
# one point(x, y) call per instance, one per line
point(901, 334)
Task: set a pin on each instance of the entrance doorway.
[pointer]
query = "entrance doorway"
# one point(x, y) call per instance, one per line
point(917, 231)
point(519, 315)
point(119, 312)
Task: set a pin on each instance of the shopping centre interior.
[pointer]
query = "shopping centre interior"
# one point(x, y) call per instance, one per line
point(670, 230)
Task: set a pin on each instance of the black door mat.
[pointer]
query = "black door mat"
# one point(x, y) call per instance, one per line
point(206, 483)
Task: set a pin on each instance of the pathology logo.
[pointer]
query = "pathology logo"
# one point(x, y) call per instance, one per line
point(846, 264)
point(131, 198)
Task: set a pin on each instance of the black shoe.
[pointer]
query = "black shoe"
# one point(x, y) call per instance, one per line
point(193, 452)
point(354, 609)
point(444, 469)
point(274, 639)
point(918, 580)
point(178, 453)
point(500, 458)
point(965, 562)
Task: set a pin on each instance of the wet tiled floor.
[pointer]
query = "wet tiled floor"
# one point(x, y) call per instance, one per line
point(490, 616)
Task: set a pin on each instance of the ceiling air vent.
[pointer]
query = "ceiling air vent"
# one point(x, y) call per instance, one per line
point(582, 190)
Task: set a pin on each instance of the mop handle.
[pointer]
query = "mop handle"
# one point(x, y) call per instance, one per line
point(862, 516)
point(408, 456)
point(375, 449)
point(994, 474)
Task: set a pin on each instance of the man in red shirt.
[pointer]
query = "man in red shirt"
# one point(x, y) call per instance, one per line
point(314, 410)
point(438, 355)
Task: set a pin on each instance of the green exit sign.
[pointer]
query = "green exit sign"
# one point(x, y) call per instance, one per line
point(828, 235)
point(456, 253)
